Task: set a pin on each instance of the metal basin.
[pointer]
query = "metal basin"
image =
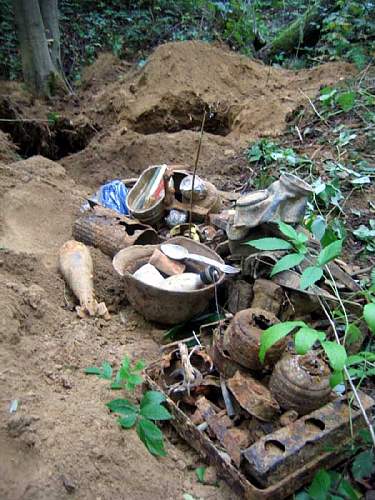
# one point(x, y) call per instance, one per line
point(164, 306)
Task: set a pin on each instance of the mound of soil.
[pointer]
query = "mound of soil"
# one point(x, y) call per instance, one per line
point(153, 114)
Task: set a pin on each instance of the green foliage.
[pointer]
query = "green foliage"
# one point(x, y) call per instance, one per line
point(329, 485)
point(200, 473)
point(369, 316)
point(141, 416)
point(304, 339)
point(367, 235)
point(128, 376)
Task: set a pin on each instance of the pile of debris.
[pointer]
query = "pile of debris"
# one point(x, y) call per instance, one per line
point(178, 243)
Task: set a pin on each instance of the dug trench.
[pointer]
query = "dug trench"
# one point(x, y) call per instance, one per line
point(61, 441)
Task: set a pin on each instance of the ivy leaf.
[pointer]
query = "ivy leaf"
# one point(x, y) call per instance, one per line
point(330, 252)
point(288, 230)
point(369, 316)
point(270, 244)
point(155, 412)
point(336, 354)
point(305, 338)
point(128, 421)
point(122, 406)
point(200, 472)
point(152, 397)
point(310, 275)
point(287, 262)
point(275, 333)
point(151, 436)
point(363, 465)
point(318, 228)
point(320, 485)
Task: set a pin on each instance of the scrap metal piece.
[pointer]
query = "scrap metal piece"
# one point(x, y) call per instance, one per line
point(276, 455)
point(222, 361)
point(253, 397)
point(240, 294)
point(301, 383)
point(267, 295)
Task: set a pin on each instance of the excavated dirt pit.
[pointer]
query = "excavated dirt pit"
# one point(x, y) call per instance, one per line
point(61, 442)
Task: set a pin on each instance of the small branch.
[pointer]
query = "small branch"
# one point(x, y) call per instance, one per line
point(313, 107)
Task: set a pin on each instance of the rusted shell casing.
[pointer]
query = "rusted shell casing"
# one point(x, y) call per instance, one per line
point(301, 383)
point(111, 232)
point(267, 295)
point(242, 338)
point(225, 365)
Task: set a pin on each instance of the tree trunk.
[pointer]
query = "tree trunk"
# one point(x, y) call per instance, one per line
point(39, 71)
point(50, 16)
point(298, 32)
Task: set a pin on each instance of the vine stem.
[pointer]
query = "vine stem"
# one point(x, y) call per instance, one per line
point(355, 392)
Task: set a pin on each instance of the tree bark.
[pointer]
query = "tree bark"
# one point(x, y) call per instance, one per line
point(297, 32)
point(50, 16)
point(39, 70)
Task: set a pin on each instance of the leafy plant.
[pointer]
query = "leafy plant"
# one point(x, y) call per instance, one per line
point(304, 339)
point(298, 243)
point(140, 416)
point(367, 234)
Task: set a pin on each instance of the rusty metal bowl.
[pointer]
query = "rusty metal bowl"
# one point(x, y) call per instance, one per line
point(164, 306)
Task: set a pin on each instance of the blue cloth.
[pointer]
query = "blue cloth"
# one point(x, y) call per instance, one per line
point(113, 195)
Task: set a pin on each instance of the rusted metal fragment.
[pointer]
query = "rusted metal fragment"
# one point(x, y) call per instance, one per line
point(222, 361)
point(243, 486)
point(242, 338)
point(267, 295)
point(253, 397)
point(301, 383)
point(234, 441)
point(240, 294)
point(110, 231)
point(288, 417)
point(276, 455)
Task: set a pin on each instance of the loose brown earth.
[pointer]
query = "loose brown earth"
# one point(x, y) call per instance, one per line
point(61, 442)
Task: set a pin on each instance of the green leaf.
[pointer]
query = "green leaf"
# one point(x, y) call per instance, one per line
point(330, 252)
point(320, 485)
point(336, 378)
point(347, 490)
point(270, 244)
point(128, 421)
point(318, 227)
point(152, 397)
point(275, 333)
point(288, 230)
point(139, 365)
point(363, 465)
point(106, 372)
point(305, 338)
point(92, 370)
point(151, 436)
point(310, 275)
point(122, 406)
point(336, 354)
point(369, 316)
point(134, 379)
point(287, 262)
point(155, 412)
point(352, 334)
point(200, 472)
point(346, 101)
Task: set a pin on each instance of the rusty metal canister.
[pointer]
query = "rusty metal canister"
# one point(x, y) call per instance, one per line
point(301, 383)
point(242, 338)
